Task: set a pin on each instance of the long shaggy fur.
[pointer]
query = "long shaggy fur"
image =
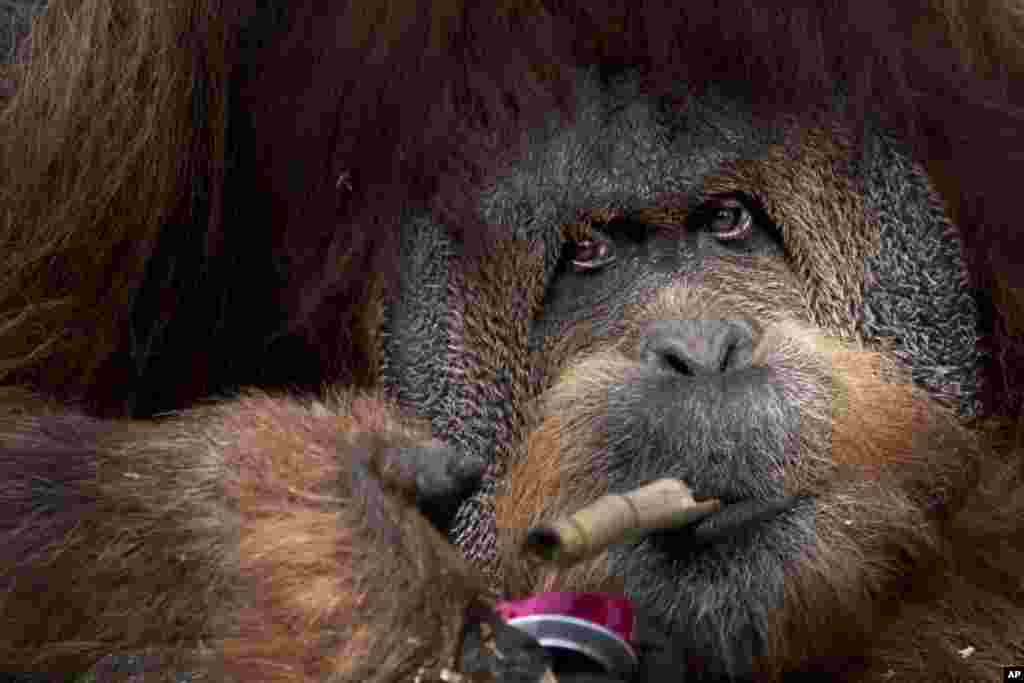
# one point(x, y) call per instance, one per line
point(201, 195)
point(267, 530)
point(221, 142)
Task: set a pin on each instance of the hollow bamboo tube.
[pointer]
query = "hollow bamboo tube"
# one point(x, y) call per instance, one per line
point(616, 518)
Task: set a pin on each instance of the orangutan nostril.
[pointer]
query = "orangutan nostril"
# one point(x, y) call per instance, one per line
point(698, 347)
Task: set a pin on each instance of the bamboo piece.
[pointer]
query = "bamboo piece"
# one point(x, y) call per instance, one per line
point(616, 518)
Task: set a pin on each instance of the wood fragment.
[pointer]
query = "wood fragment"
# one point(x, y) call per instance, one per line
point(617, 518)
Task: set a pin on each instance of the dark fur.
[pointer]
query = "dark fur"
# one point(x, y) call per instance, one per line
point(203, 196)
point(321, 196)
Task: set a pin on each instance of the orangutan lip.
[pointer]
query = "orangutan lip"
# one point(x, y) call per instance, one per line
point(737, 517)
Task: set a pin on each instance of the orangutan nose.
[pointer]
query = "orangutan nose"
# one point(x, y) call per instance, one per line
point(698, 347)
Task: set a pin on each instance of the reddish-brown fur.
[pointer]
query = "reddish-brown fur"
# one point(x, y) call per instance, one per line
point(158, 166)
point(158, 157)
point(266, 528)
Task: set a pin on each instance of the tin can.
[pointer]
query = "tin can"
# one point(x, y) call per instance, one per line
point(581, 631)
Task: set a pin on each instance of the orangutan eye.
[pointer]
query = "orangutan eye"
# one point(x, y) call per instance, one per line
point(727, 219)
point(591, 254)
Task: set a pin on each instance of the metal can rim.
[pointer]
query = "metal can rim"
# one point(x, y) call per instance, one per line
point(593, 640)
